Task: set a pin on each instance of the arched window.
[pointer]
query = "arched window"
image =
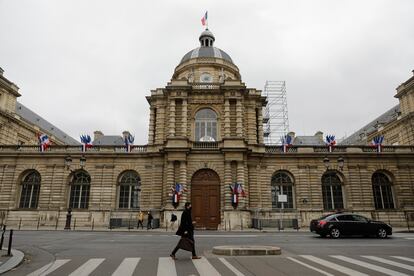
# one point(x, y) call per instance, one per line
point(381, 187)
point(332, 191)
point(206, 125)
point(282, 185)
point(79, 190)
point(29, 197)
point(129, 190)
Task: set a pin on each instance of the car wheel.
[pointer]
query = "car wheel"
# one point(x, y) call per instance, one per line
point(335, 233)
point(381, 233)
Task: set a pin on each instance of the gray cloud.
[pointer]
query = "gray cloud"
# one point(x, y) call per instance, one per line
point(88, 65)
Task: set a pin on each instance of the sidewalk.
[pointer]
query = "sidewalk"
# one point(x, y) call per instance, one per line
point(9, 262)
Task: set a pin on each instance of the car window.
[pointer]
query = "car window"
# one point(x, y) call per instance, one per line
point(360, 218)
point(345, 218)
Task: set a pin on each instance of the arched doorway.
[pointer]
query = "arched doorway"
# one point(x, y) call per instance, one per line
point(205, 199)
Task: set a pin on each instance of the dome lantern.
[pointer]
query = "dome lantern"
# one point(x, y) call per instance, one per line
point(206, 38)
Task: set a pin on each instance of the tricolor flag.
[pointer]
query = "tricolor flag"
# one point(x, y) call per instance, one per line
point(86, 142)
point(129, 141)
point(377, 142)
point(204, 20)
point(177, 191)
point(286, 142)
point(44, 141)
point(330, 141)
point(236, 191)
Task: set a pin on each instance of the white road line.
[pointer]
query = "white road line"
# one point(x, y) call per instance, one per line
point(166, 267)
point(49, 268)
point(127, 267)
point(226, 236)
point(204, 268)
point(409, 238)
point(404, 258)
point(231, 267)
point(311, 267)
point(87, 267)
point(385, 261)
point(369, 266)
point(334, 266)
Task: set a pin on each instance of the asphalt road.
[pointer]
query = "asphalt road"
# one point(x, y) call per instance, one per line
point(146, 253)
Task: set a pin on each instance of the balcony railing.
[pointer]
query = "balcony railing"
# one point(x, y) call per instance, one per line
point(279, 149)
point(204, 85)
point(205, 145)
point(72, 149)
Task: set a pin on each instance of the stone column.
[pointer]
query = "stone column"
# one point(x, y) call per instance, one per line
point(227, 182)
point(226, 118)
point(239, 119)
point(183, 179)
point(171, 131)
point(151, 137)
point(260, 126)
point(240, 179)
point(185, 120)
point(168, 184)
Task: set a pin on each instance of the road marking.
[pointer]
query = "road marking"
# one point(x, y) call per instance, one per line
point(166, 267)
point(369, 266)
point(204, 268)
point(334, 266)
point(127, 267)
point(87, 267)
point(385, 261)
point(404, 258)
point(226, 236)
point(231, 267)
point(49, 268)
point(311, 267)
point(409, 238)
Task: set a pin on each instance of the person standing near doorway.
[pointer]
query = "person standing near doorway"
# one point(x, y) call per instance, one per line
point(149, 220)
point(186, 231)
point(173, 220)
point(140, 220)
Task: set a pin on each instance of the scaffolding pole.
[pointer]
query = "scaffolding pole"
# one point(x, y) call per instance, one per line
point(275, 119)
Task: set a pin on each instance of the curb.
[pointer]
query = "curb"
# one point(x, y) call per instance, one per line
point(15, 260)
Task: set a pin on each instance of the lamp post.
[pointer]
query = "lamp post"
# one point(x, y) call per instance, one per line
point(68, 162)
point(340, 161)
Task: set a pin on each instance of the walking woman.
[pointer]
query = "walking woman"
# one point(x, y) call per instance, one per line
point(186, 231)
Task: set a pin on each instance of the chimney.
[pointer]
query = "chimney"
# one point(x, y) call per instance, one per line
point(291, 134)
point(319, 134)
point(97, 134)
point(125, 134)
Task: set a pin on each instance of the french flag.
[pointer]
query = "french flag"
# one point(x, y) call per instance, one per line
point(44, 141)
point(204, 19)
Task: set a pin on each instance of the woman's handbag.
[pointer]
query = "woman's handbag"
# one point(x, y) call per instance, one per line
point(185, 244)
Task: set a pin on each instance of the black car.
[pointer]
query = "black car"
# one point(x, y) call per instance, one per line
point(342, 224)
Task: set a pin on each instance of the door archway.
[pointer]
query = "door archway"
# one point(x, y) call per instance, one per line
point(205, 199)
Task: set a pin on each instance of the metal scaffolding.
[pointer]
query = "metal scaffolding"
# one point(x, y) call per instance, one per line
point(275, 119)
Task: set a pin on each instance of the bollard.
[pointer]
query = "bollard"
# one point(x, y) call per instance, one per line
point(225, 225)
point(57, 221)
point(20, 223)
point(241, 224)
point(74, 224)
point(230, 225)
point(38, 223)
point(93, 223)
point(10, 243)
point(2, 237)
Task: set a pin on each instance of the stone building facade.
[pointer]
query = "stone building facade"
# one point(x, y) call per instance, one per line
point(206, 133)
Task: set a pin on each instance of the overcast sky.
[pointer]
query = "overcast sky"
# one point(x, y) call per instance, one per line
point(88, 65)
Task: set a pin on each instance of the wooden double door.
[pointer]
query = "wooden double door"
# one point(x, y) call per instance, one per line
point(205, 199)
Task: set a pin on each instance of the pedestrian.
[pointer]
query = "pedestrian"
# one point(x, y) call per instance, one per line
point(173, 220)
point(140, 220)
point(149, 222)
point(186, 231)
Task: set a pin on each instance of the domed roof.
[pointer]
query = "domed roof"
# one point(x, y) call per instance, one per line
point(207, 49)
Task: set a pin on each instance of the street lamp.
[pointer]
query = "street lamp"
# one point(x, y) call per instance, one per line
point(340, 161)
point(68, 162)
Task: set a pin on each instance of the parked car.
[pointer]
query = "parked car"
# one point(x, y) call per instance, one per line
point(343, 224)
